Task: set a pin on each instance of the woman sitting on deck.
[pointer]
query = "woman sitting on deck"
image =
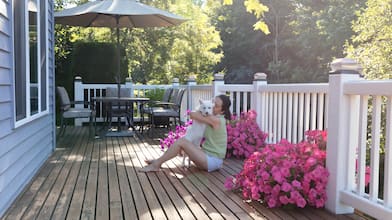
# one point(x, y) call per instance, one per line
point(210, 156)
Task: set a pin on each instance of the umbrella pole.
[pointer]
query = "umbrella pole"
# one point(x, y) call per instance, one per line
point(118, 57)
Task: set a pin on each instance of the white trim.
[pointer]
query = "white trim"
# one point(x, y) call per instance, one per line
point(26, 120)
point(28, 117)
point(47, 53)
point(27, 58)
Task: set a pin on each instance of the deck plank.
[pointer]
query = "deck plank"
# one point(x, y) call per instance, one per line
point(70, 173)
point(39, 201)
point(208, 193)
point(75, 207)
point(88, 207)
point(115, 209)
point(102, 210)
point(198, 197)
point(182, 191)
point(90, 178)
point(152, 201)
point(177, 201)
point(127, 201)
point(136, 189)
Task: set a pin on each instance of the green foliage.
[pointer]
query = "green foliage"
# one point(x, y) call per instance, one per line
point(305, 37)
point(257, 9)
point(194, 50)
point(372, 42)
point(97, 62)
point(241, 44)
point(154, 94)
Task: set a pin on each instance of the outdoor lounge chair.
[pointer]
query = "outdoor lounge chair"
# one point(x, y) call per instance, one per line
point(167, 110)
point(69, 111)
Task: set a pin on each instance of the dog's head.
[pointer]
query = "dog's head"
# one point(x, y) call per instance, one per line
point(206, 107)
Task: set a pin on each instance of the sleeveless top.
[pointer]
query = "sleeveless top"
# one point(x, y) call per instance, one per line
point(216, 140)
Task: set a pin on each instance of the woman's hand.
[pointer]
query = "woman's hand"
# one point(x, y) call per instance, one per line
point(211, 120)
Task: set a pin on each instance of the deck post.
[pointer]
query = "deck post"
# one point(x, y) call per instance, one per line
point(78, 96)
point(259, 80)
point(191, 82)
point(343, 70)
point(128, 85)
point(176, 83)
point(216, 83)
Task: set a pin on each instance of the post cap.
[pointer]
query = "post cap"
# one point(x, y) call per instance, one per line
point(345, 64)
point(176, 80)
point(128, 79)
point(218, 76)
point(191, 78)
point(260, 77)
point(78, 78)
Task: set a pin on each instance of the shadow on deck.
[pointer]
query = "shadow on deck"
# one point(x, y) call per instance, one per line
point(89, 178)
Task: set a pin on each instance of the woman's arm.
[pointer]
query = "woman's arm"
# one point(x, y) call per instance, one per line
point(211, 120)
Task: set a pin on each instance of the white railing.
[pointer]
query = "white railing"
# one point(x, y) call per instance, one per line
point(287, 110)
point(355, 134)
point(284, 110)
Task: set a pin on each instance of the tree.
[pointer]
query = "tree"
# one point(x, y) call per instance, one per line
point(241, 43)
point(372, 42)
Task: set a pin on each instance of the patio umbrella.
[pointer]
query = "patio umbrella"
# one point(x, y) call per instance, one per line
point(117, 14)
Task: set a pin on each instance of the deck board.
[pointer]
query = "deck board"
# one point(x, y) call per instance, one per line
point(89, 178)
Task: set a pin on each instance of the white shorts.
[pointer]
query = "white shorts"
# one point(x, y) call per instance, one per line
point(214, 163)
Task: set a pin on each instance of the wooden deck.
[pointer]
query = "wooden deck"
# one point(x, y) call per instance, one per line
point(89, 178)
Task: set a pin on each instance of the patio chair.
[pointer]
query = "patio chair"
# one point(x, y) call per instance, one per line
point(154, 104)
point(172, 110)
point(118, 110)
point(69, 112)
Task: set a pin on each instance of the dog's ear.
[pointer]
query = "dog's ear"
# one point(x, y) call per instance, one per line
point(201, 102)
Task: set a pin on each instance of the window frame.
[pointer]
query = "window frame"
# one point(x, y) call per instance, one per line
point(25, 55)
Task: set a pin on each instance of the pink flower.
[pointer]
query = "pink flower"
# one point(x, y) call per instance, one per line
point(286, 187)
point(296, 184)
point(284, 173)
point(271, 203)
point(229, 183)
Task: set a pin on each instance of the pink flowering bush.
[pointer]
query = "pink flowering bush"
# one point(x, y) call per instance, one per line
point(244, 135)
point(285, 174)
point(172, 136)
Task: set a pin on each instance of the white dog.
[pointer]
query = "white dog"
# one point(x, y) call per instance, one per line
point(195, 132)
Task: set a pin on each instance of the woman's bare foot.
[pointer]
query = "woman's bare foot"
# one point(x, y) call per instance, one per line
point(150, 168)
point(149, 161)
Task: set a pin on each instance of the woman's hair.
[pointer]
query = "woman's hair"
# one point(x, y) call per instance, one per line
point(226, 103)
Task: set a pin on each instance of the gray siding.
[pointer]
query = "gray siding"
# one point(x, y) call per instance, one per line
point(23, 150)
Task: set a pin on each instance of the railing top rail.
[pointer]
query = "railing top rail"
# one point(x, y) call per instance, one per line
point(99, 86)
point(300, 87)
point(367, 87)
point(237, 88)
point(142, 86)
point(201, 87)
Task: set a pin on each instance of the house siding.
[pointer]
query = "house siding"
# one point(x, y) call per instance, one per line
point(24, 149)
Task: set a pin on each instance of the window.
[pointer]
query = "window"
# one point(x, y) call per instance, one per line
point(30, 60)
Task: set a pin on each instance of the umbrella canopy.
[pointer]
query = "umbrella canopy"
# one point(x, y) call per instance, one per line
point(117, 14)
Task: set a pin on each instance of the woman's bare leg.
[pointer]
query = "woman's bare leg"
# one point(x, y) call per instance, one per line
point(194, 153)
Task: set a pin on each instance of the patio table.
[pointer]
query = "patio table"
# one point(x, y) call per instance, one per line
point(125, 106)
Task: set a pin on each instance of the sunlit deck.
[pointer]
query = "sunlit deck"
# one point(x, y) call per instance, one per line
point(89, 178)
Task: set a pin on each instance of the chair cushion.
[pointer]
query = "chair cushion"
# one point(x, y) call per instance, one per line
point(64, 98)
point(78, 113)
point(165, 113)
